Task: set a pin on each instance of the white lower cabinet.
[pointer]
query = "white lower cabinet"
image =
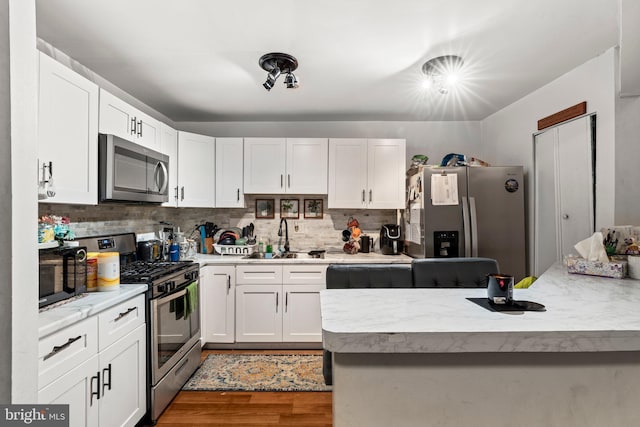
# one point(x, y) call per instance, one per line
point(218, 287)
point(75, 389)
point(109, 388)
point(279, 303)
point(259, 313)
point(301, 320)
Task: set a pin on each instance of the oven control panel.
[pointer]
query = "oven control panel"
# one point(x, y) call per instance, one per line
point(106, 243)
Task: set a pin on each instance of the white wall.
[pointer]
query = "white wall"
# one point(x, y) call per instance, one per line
point(507, 136)
point(435, 139)
point(627, 163)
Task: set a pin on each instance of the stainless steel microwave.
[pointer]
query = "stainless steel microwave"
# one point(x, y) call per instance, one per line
point(128, 172)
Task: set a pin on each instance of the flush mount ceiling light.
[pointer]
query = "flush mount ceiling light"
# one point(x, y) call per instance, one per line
point(443, 72)
point(276, 64)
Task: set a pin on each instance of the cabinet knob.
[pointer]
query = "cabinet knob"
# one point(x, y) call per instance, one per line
point(565, 216)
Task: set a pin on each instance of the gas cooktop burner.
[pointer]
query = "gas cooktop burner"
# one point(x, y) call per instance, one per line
point(143, 271)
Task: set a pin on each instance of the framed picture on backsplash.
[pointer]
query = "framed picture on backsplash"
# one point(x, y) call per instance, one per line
point(289, 208)
point(265, 208)
point(313, 208)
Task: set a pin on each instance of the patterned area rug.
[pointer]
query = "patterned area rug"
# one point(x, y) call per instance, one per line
point(259, 372)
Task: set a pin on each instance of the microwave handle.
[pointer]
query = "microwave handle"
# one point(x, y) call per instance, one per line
point(161, 168)
point(79, 255)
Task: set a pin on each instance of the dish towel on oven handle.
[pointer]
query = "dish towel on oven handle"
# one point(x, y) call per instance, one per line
point(191, 299)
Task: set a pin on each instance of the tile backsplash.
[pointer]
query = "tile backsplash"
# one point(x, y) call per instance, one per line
point(324, 233)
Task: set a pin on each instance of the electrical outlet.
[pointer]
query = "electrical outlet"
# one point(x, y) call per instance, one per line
point(298, 227)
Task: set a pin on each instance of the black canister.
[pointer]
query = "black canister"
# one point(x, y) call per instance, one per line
point(365, 244)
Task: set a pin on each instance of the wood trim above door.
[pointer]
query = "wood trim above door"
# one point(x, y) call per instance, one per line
point(564, 115)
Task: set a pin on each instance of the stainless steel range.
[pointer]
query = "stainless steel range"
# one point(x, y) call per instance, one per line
point(173, 317)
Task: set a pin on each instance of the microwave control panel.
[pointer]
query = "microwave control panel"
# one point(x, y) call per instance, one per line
point(106, 243)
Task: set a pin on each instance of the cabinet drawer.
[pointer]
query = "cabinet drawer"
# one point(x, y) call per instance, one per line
point(259, 275)
point(64, 350)
point(118, 321)
point(304, 274)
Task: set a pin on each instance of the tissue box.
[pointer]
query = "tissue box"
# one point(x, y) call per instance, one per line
point(616, 268)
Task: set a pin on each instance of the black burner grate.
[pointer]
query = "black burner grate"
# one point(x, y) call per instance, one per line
point(143, 271)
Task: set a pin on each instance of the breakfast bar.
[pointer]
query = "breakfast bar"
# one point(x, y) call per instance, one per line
point(422, 357)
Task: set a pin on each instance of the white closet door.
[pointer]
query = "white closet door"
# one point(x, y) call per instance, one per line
point(546, 227)
point(563, 207)
point(576, 183)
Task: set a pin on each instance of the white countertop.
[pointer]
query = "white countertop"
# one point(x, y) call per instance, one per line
point(329, 258)
point(57, 318)
point(584, 313)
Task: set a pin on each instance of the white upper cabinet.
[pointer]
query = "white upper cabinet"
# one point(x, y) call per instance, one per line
point(121, 119)
point(264, 165)
point(169, 146)
point(366, 173)
point(307, 164)
point(279, 165)
point(196, 175)
point(67, 134)
point(229, 173)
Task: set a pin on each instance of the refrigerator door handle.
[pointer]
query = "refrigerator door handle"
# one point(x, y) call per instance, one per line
point(465, 226)
point(474, 226)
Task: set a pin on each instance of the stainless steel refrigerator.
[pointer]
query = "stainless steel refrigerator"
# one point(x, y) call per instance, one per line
point(465, 211)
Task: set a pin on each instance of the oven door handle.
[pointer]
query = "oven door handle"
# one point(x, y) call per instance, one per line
point(169, 297)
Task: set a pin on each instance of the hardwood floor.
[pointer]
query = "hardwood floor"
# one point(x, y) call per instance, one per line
point(249, 409)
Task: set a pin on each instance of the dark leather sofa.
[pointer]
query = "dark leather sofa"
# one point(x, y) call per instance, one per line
point(421, 273)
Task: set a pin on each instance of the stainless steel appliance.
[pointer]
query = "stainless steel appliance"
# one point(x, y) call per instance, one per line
point(467, 211)
point(391, 239)
point(62, 274)
point(173, 317)
point(131, 172)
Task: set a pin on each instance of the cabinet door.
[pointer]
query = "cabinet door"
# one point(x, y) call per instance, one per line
point(229, 173)
point(75, 389)
point(196, 175)
point(218, 304)
point(148, 131)
point(68, 133)
point(301, 320)
point(169, 146)
point(386, 168)
point(122, 119)
point(307, 165)
point(116, 117)
point(259, 313)
point(123, 391)
point(264, 165)
point(347, 173)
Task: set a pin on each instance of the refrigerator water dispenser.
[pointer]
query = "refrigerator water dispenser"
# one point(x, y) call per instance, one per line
point(445, 244)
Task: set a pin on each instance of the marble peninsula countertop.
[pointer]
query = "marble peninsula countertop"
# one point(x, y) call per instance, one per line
point(329, 258)
point(63, 314)
point(583, 314)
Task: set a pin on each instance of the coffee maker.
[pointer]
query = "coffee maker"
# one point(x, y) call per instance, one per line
point(391, 239)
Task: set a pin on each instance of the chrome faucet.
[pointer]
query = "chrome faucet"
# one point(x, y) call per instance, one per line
point(286, 234)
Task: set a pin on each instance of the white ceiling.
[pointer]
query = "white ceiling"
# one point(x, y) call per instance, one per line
point(197, 60)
